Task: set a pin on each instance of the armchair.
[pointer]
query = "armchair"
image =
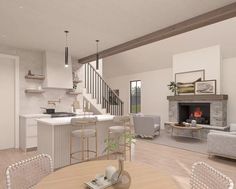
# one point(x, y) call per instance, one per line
point(146, 126)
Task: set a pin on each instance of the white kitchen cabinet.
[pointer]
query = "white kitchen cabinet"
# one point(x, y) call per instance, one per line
point(28, 130)
point(56, 74)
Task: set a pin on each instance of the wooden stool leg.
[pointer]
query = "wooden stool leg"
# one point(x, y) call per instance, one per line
point(87, 148)
point(70, 148)
point(82, 146)
point(124, 145)
point(108, 151)
point(130, 147)
point(96, 144)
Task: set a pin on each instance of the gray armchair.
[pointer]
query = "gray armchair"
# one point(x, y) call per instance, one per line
point(147, 126)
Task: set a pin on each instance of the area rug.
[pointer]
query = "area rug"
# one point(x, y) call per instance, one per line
point(181, 142)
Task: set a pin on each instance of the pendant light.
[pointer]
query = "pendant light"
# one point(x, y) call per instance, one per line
point(66, 51)
point(97, 56)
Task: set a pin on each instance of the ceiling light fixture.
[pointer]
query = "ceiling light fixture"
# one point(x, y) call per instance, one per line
point(97, 56)
point(66, 50)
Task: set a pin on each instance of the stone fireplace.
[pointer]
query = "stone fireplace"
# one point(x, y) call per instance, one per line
point(208, 110)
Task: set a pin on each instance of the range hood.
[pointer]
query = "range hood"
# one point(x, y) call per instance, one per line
point(56, 74)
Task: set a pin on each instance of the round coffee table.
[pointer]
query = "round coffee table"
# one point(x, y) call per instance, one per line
point(197, 129)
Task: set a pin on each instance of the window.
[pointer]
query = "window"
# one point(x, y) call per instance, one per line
point(135, 96)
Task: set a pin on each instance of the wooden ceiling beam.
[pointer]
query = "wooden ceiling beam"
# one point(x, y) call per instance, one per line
point(211, 17)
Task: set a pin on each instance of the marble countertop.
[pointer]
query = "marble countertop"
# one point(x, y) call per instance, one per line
point(67, 120)
point(35, 115)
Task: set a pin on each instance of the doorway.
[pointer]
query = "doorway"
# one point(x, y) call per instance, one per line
point(9, 121)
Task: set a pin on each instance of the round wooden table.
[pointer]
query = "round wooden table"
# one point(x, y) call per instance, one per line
point(74, 176)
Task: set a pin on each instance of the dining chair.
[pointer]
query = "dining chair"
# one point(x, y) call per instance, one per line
point(27, 173)
point(204, 176)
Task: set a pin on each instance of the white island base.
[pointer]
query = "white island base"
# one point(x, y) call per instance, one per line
point(54, 138)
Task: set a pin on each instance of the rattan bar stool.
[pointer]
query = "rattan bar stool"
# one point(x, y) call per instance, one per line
point(119, 131)
point(84, 134)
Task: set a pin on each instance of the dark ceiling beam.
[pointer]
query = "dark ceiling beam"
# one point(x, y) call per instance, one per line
point(211, 17)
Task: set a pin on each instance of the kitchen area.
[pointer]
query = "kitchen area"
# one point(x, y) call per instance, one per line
point(50, 95)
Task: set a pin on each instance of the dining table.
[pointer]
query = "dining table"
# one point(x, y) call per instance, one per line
point(75, 176)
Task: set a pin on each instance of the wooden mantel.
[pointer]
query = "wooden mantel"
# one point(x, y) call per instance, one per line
point(198, 97)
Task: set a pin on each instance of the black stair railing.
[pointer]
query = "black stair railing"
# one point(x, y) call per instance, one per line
point(100, 90)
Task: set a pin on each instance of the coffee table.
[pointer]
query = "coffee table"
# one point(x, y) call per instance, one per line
point(197, 129)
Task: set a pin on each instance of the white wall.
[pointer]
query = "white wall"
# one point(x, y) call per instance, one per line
point(229, 86)
point(208, 59)
point(154, 91)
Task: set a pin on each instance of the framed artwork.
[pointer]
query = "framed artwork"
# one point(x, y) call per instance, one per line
point(205, 87)
point(185, 81)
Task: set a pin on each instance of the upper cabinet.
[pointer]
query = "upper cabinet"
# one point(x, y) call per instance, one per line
point(56, 74)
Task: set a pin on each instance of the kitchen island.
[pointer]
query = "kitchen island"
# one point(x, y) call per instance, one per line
point(54, 137)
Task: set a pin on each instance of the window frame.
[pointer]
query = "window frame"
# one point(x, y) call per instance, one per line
point(130, 98)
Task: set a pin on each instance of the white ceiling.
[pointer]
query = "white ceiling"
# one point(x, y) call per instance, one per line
point(158, 55)
point(39, 24)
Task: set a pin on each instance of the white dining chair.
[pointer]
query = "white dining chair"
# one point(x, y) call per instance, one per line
point(204, 176)
point(27, 173)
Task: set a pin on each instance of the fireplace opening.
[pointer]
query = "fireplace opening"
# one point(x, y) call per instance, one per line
point(194, 111)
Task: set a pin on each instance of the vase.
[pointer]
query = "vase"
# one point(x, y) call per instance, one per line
point(121, 178)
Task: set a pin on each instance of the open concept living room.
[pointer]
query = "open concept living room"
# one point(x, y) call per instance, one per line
point(118, 94)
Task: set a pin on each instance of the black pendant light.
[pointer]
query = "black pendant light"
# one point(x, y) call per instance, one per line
point(66, 51)
point(97, 56)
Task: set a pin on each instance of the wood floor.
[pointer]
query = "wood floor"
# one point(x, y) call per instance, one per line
point(173, 161)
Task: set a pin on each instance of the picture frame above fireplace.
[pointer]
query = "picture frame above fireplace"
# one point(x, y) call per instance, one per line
point(185, 81)
point(206, 87)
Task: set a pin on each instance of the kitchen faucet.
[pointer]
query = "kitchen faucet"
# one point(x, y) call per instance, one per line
point(53, 102)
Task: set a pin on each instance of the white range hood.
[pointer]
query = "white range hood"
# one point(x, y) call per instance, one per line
point(56, 74)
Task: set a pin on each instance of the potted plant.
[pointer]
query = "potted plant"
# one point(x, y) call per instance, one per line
point(112, 144)
point(173, 87)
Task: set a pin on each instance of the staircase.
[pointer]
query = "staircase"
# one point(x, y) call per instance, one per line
point(99, 94)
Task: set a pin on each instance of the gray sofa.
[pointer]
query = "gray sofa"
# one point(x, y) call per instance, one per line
point(147, 125)
point(222, 143)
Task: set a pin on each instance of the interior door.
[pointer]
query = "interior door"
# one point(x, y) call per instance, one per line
point(7, 103)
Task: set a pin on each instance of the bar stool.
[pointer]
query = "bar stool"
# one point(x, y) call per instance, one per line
point(119, 131)
point(84, 134)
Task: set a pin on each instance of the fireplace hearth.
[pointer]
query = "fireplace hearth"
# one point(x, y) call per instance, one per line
point(194, 111)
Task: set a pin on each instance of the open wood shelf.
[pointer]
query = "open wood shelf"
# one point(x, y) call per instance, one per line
point(77, 81)
point(73, 92)
point(36, 77)
point(36, 91)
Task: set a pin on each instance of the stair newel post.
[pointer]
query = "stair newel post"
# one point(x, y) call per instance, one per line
point(90, 79)
point(112, 103)
point(121, 108)
point(100, 87)
point(97, 88)
point(95, 84)
point(92, 82)
point(85, 76)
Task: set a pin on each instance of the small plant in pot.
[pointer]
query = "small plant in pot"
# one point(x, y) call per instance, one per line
point(173, 87)
point(112, 144)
